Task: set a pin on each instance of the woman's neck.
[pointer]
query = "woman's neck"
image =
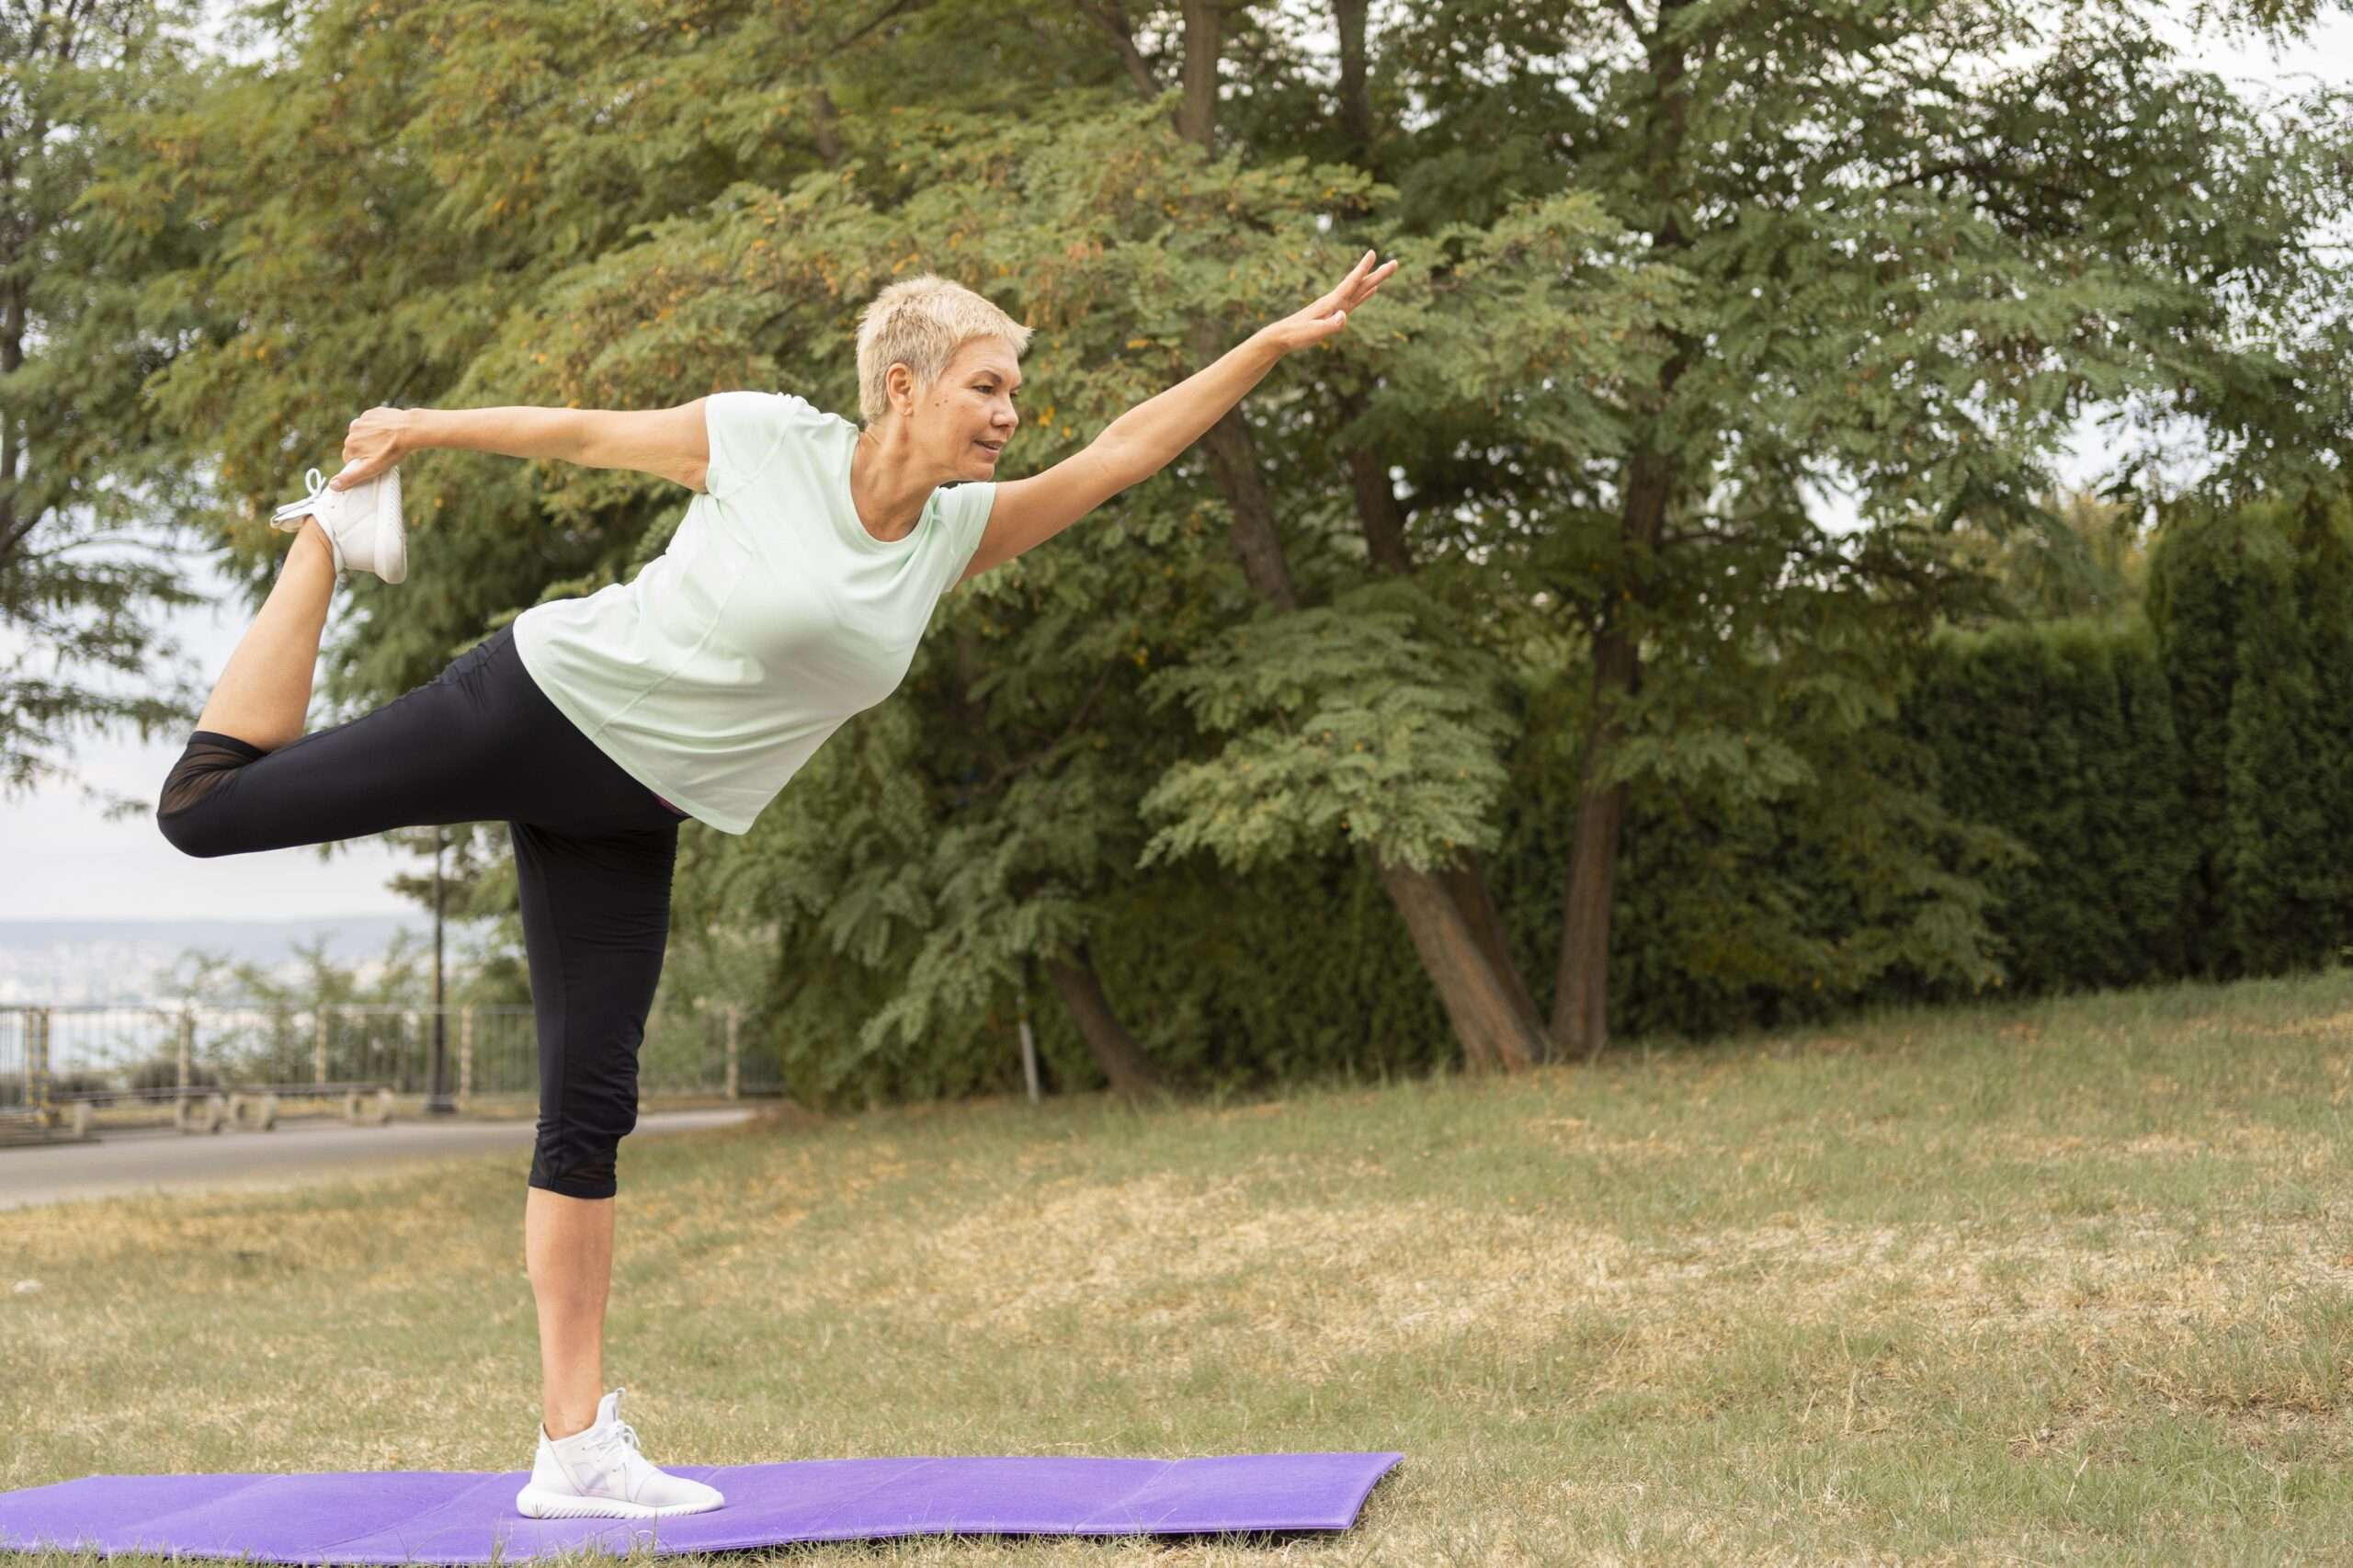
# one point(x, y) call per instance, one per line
point(888, 494)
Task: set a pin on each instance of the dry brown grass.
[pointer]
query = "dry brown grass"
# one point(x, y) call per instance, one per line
point(2051, 1285)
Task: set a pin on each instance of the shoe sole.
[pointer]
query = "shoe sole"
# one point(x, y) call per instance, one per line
point(389, 529)
point(534, 1503)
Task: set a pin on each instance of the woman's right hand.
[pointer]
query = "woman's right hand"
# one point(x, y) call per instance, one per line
point(378, 439)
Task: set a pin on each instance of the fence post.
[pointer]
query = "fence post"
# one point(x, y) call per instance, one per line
point(37, 1062)
point(734, 1017)
point(188, 1047)
point(319, 1048)
point(465, 1053)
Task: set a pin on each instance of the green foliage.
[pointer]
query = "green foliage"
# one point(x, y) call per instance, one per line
point(1356, 718)
point(2058, 734)
point(1756, 248)
point(91, 491)
point(2251, 605)
point(2079, 557)
point(2175, 781)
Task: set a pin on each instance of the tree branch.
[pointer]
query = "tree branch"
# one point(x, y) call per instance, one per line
point(884, 15)
point(1107, 15)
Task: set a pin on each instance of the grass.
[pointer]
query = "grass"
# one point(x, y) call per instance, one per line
point(2027, 1283)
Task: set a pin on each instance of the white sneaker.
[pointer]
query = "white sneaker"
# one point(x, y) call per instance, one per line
point(362, 524)
point(600, 1474)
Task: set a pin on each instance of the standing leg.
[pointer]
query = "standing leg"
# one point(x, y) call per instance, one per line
point(263, 695)
point(568, 1249)
point(596, 912)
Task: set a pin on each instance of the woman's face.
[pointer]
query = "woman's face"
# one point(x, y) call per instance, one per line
point(968, 415)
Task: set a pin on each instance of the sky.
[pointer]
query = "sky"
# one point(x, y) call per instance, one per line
point(66, 861)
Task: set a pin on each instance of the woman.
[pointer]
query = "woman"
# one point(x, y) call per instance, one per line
point(792, 596)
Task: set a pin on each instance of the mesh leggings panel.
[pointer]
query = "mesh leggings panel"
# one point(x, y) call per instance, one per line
point(207, 764)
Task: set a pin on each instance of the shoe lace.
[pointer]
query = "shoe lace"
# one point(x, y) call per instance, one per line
point(620, 1433)
point(317, 488)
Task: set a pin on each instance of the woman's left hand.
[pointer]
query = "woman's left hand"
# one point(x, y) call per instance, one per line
point(1330, 313)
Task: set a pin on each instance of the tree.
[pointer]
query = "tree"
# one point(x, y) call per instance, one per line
point(2088, 557)
point(1667, 269)
point(1912, 269)
point(90, 525)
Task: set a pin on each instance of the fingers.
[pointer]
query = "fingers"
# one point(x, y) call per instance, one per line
point(1372, 284)
point(1346, 292)
point(1359, 285)
point(1330, 313)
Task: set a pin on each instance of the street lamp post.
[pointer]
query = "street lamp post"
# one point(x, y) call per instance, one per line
point(440, 1102)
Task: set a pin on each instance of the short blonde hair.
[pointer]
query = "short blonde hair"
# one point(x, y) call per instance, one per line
point(923, 321)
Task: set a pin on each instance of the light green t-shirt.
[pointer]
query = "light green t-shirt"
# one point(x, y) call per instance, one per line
point(719, 668)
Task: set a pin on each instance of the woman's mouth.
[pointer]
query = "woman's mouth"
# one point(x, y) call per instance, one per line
point(991, 449)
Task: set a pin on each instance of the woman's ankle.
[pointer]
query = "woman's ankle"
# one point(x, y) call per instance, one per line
point(562, 1418)
point(314, 535)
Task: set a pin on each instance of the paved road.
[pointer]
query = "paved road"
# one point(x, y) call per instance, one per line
point(153, 1161)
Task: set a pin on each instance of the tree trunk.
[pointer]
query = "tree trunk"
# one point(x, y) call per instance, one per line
point(1108, 18)
point(1233, 463)
point(1107, 1039)
point(1356, 98)
point(1378, 511)
point(1467, 883)
point(12, 355)
point(1494, 1032)
point(1382, 519)
point(825, 123)
point(1204, 43)
point(1581, 990)
point(1448, 913)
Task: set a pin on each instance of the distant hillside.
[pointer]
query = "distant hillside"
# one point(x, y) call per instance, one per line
point(62, 961)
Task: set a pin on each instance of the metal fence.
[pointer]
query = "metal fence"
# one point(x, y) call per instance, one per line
point(112, 1059)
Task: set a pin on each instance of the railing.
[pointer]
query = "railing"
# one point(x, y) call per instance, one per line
point(62, 1065)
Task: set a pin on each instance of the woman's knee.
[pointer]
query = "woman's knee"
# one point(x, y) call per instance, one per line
point(208, 763)
point(576, 1170)
point(193, 832)
point(588, 1186)
point(191, 835)
point(580, 1159)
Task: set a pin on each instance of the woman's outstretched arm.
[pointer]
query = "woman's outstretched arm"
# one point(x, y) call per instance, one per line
point(383, 436)
point(1147, 438)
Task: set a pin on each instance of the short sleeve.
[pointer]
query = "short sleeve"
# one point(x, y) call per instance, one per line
point(745, 429)
point(967, 508)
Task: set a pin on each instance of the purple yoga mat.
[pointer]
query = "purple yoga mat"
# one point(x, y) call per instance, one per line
point(399, 1517)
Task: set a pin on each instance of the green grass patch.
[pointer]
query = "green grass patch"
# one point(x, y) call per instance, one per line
point(2067, 1282)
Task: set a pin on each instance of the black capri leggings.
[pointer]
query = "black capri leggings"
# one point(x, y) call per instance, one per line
point(594, 850)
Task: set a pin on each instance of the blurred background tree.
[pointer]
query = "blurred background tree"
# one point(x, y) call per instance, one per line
point(1553, 510)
